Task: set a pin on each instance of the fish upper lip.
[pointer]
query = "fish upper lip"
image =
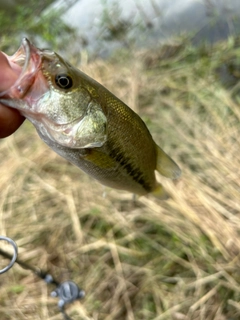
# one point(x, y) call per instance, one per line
point(25, 53)
point(22, 55)
point(29, 59)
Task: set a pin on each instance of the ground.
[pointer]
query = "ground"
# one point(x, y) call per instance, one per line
point(135, 258)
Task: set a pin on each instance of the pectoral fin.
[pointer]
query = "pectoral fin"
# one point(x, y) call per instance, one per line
point(100, 159)
point(166, 166)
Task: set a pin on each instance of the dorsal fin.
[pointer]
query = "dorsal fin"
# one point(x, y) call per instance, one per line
point(166, 166)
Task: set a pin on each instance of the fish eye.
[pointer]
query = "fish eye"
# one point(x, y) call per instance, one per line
point(63, 81)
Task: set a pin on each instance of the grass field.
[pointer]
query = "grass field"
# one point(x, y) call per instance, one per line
point(144, 259)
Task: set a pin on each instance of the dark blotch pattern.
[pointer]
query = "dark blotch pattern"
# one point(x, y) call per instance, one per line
point(134, 172)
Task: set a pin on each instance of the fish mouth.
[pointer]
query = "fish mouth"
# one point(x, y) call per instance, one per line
point(28, 59)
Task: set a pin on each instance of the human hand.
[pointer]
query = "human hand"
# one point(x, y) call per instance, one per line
point(10, 119)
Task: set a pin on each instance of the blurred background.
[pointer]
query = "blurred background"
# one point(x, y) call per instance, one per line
point(102, 26)
point(177, 64)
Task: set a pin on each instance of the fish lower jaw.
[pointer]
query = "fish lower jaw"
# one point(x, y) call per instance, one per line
point(62, 135)
point(69, 138)
point(74, 135)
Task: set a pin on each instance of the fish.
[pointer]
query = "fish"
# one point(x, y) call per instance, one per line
point(86, 124)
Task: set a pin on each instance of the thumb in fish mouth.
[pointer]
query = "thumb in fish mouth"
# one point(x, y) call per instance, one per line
point(10, 119)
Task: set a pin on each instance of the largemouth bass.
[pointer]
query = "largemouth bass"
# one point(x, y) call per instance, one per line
point(85, 123)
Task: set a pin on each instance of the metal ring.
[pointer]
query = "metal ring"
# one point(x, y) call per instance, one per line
point(15, 253)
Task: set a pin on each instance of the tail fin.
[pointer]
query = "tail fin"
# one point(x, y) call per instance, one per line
point(166, 166)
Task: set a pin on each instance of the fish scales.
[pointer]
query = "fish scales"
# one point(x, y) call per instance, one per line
point(86, 124)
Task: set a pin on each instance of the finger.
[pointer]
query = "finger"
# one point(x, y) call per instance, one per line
point(8, 75)
point(10, 120)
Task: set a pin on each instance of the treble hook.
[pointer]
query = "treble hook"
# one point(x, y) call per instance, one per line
point(15, 253)
point(67, 291)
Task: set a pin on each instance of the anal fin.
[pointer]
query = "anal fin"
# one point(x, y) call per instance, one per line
point(160, 192)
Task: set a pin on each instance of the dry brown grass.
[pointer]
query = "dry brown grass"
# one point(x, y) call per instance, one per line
point(147, 259)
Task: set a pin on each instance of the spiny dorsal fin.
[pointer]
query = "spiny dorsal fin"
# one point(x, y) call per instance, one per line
point(166, 166)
